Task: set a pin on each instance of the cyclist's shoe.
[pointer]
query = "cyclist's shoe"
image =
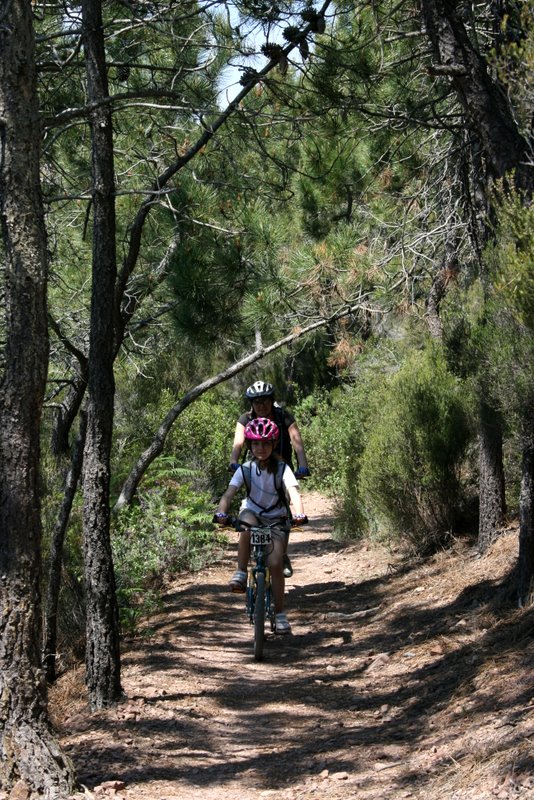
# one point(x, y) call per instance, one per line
point(287, 568)
point(281, 624)
point(238, 582)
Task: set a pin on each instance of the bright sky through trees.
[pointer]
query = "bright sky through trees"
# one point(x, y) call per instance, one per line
point(254, 36)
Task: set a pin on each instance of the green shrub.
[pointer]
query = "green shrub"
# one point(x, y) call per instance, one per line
point(202, 439)
point(411, 464)
point(334, 428)
point(166, 531)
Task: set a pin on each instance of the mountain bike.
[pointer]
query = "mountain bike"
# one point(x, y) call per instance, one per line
point(259, 599)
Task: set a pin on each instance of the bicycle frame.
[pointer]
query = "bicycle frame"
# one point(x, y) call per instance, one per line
point(258, 565)
point(259, 600)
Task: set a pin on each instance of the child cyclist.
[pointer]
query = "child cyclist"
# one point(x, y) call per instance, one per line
point(263, 505)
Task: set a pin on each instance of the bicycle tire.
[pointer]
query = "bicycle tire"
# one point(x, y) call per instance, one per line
point(269, 606)
point(259, 616)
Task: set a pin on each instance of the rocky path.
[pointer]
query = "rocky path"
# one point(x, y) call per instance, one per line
point(384, 689)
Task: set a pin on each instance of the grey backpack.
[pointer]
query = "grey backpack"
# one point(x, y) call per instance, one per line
point(246, 470)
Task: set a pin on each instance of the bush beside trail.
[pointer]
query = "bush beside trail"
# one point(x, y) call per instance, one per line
point(411, 465)
point(391, 449)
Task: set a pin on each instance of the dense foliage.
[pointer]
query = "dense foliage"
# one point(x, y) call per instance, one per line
point(412, 463)
point(334, 198)
point(343, 189)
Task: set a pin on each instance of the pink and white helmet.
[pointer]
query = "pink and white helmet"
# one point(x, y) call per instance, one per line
point(261, 429)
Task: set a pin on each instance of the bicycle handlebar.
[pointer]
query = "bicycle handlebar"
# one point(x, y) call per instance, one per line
point(236, 523)
point(251, 526)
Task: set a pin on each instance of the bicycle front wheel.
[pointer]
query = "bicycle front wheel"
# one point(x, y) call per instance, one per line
point(259, 616)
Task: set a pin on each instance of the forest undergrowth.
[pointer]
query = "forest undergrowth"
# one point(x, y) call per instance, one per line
point(401, 679)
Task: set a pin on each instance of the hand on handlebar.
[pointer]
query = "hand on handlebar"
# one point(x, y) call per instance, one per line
point(302, 472)
point(300, 519)
point(220, 518)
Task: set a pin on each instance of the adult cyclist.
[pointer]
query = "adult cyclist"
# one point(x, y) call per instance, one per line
point(261, 397)
point(263, 504)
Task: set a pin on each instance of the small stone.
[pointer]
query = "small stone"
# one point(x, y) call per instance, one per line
point(20, 791)
point(379, 661)
point(110, 786)
point(340, 776)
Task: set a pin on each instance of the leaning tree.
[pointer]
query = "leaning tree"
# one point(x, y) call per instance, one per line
point(150, 106)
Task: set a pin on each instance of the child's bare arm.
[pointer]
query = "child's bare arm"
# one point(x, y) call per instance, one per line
point(296, 501)
point(226, 500)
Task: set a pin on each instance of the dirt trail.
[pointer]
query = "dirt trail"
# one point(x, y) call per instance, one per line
point(399, 680)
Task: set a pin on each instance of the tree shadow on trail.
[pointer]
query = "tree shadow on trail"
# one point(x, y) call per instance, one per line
point(322, 695)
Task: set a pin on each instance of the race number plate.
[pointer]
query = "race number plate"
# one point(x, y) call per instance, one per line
point(260, 538)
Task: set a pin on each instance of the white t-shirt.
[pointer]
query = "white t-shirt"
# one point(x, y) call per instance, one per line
point(263, 493)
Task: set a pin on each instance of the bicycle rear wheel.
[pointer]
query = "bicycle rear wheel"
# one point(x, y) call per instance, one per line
point(259, 616)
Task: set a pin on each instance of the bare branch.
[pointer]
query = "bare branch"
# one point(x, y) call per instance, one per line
point(153, 451)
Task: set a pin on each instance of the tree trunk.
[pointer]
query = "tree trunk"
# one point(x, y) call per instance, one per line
point(526, 513)
point(69, 408)
point(484, 101)
point(29, 753)
point(102, 647)
point(504, 153)
point(491, 479)
point(56, 554)
point(447, 271)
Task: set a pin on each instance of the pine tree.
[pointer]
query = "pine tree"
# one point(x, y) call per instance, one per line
point(30, 758)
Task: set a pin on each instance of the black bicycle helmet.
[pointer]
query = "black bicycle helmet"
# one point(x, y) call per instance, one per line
point(259, 389)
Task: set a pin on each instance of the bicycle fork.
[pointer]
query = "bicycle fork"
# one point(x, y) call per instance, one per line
point(251, 593)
